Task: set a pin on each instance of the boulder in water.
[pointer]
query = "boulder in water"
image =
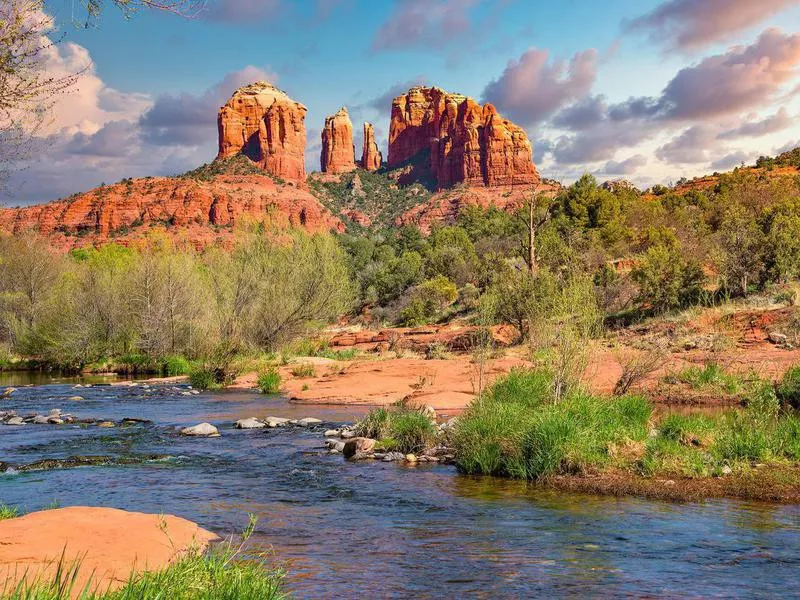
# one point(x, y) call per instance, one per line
point(15, 421)
point(358, 446)
point(201, 430)
point(250, 423)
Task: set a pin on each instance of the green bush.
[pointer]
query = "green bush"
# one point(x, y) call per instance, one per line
point(269, 382)
point(204, 378)
point(176, 365)
point(711, 376)
point(788, 391)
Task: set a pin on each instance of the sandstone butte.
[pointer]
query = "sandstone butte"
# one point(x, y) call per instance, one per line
point(468, 143)
point(263, 123)
point(371, 157)
point(338, 151)
point(199, 212)
point(108, 543)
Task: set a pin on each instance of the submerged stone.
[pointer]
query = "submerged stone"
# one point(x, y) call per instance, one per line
point(201, 430)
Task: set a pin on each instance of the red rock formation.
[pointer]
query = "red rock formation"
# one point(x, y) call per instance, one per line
point(268, 127)
point(198, 212)
point(338, 151)
point(371, 157)
point(467, 142)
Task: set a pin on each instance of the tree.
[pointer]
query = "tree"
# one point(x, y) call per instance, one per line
point(742, 244)
point(539, 212)
point(27, 90)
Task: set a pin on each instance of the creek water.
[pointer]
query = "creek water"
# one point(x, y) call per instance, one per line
point(380, 529)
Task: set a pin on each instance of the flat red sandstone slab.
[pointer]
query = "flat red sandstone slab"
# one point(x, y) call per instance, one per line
point(108, 543)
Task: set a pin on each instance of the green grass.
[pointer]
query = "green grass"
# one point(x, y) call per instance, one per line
point(226, 572)
point(176, 365)
point(269, 382)
point(399, 429)
point(788, 390)
point(711, 377)
point(517, 430)
point(8, 512)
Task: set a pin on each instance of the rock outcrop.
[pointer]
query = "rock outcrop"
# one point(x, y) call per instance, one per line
point(458, 141)
point(338, 151)
point(371, 157)
point(263, 123)
point(199, 212)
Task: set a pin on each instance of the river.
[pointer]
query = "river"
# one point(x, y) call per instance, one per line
point(385, 530)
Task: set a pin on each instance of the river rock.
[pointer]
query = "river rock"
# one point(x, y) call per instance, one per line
point(39, 420)
point(393, 457)
point(308, 422)
point(15, 421)
point(8, 391)
point(331, 433)
point(347, 434)
point(74, 398)
point(357, 445)
point(201, 430)
point(276, 421)
point(251, 423)
point(411, 458)
point(55, 420)
point(106, 424)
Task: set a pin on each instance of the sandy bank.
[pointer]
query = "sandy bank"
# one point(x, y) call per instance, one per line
point(108, 543)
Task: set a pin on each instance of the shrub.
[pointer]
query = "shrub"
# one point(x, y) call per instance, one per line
point(710, 376)
point(204, 378)
point(411, 430)
point(304, 370)
point(269, 382)
point(788, 391)
point(176, 365)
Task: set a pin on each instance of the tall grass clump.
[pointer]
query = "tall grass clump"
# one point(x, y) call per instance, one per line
point(176, 365)
point(269, 382)
point(517, 430)
point(711, 376)
point(204, 378)
point(8, 512)
point(402, 429)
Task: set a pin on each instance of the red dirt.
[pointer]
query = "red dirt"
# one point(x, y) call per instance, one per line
point(108, 543)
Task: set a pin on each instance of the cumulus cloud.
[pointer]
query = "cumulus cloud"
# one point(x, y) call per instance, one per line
point(695, 145)
point(734, 159)
point(191, 119)
point(383, 102)
point(429, 23)
point(692, 24)
point(756, 128)
point(532, 88)
point(740, 79)
point(629, 166)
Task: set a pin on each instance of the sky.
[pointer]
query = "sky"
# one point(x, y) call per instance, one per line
point(647, 90)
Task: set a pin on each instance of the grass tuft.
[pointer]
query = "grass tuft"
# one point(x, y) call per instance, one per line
point(269, 382)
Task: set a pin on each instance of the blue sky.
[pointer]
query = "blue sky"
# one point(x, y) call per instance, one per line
point(650, 90)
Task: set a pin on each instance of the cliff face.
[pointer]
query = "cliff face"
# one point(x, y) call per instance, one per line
point(467, 143)
point(338, 151)
point(263, 123)
point(371, 157)
point(199, 212)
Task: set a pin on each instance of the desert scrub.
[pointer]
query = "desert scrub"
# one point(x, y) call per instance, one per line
point(398, 428)
point(304, 370)
point(269, 382)
point(223, 573)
